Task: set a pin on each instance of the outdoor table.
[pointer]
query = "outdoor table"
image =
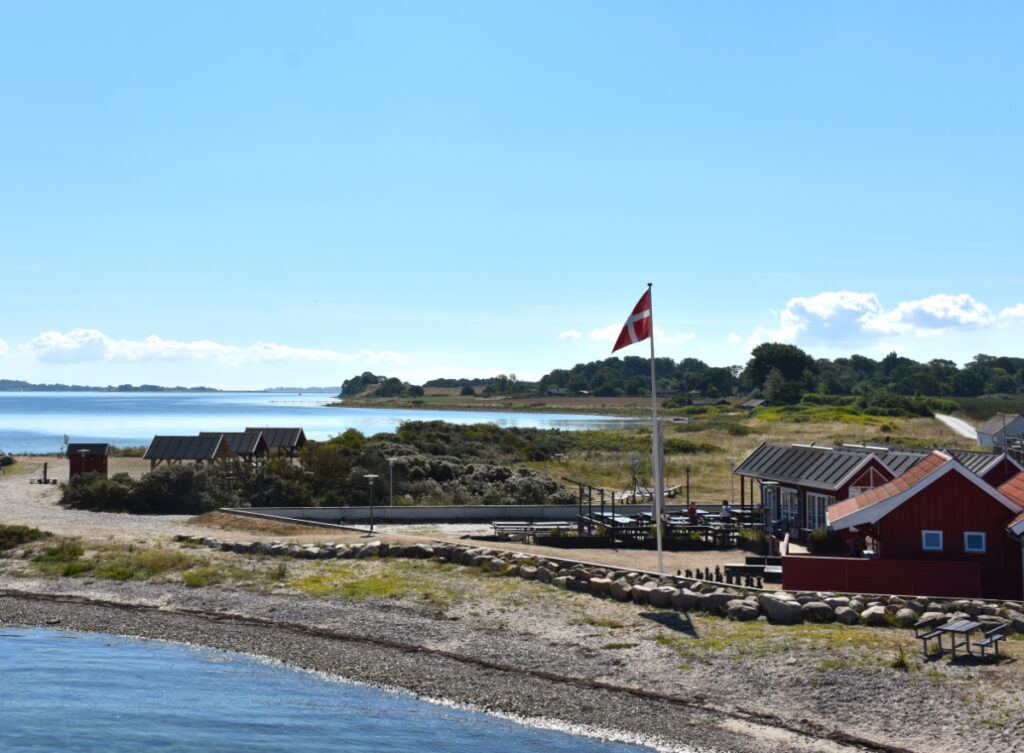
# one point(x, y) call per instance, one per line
point(962, 628)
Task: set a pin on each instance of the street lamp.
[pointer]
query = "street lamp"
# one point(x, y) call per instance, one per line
point(370, 477)
point(391, 482)
point(81, 468)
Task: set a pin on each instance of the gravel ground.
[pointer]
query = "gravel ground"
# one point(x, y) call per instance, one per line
point(687, 681)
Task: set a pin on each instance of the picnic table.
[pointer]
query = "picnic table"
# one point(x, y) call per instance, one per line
point(961, 628)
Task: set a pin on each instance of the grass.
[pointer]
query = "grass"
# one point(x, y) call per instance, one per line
point(228, 522)
point(14, 536)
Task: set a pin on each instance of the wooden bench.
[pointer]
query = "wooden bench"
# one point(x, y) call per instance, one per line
point(992, 638)
point(925, 630)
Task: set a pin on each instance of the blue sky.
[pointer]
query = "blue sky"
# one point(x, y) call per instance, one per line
point(247, 194)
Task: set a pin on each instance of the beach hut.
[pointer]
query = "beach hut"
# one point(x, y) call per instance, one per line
point(285, 442)
point(248, 445)
point(86, 457)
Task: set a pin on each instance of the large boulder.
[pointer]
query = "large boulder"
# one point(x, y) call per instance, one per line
point(715, 601)
point(781, 611)
point(642, 594)
point(662, 596)
point(741, 609)
point(905, 617)
point(846, 616)
point(621, 590)
point(544, 575)
point(817, 611)
point(527, 572)
point(873, 615)
point(1016, 619)
point(686, 600)
point(600, 586)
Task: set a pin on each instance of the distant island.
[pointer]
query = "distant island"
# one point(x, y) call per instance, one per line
point(17, 385)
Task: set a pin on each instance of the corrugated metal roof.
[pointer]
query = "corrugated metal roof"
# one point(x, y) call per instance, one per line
point(209, 447)
point(278, 437)
point(995, 424)
point(249, 442)
point(91, 448)
point(824, 466)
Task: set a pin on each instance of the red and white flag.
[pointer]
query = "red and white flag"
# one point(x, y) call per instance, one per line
point(638, 326)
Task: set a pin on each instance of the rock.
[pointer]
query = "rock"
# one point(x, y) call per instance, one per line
point(906, 617)
point(544, 575)
point(420, 551)
point(642, 594)
point(581, 585)
point(528, 572)
point(396, 550)
point(741, 609)
point(781, 611)
point(368, 550)
point(817, 611)
point(1016, 619)
point(991, 620)
point(561, 581)
point(716, 600)
point(837, 601)
point(662, 596)
point(511, 570)
point(939, 617)
point(873, 615)
point(621, 590)
point(601, 586)
point(686, 600)
point(846, 616)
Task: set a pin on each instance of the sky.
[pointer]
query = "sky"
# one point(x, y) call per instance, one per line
point(254, 194)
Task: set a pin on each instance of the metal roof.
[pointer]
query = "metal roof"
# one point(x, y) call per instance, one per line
point(249, 442)
point(209, 447)
point(822, 466)
point(91, 449)
point(277, 437)
point(998, 422)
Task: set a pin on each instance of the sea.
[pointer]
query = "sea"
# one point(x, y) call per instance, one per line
point(96, 693)
point(37, 422)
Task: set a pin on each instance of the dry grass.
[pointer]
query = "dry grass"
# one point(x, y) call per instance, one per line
point(228, 522)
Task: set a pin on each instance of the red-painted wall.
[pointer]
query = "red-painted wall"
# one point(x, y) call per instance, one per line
point(871, 576)
point(953, 505)
point(92, 464)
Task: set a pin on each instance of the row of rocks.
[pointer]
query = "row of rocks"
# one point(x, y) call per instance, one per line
point(666, 592)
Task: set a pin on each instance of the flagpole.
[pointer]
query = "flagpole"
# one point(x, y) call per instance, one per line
point(656, 452)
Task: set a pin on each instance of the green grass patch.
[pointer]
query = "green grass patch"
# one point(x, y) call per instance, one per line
point(203, 576)
point(12, 536)
point(613, 646)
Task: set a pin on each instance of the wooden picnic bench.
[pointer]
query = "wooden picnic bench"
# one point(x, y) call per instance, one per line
point(992, 638)
point(925, 630)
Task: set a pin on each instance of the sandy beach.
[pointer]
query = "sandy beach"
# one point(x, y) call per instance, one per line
point(528, 649)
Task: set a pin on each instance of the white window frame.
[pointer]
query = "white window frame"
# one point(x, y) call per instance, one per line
point(924, 541)
point(817, 505)
point(984, 542)
point(789, 505)
point(770, 499)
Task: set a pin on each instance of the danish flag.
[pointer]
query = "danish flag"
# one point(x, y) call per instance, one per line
point(638, 326)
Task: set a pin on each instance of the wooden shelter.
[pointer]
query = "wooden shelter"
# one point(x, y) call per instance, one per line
point(285, 442)
point(248, 445)
point(173, 450)
point(86, 457)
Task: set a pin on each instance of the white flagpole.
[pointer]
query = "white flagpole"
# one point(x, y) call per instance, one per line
point(658, 503)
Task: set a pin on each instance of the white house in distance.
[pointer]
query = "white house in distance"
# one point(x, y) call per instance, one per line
point(993, 433)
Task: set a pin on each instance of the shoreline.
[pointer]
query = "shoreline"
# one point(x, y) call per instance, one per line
point(531, 695)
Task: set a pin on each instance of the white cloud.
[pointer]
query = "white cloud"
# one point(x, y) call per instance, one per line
point(570, 334)
point(844, 319)
point(934, 315)
point(679, 337)
point(3, 348)
point(84, 345)
point(609, 333)
point(1014, 314)
point(734, 338)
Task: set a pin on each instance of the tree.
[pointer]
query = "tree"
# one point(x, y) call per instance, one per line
point(778, 389)
point(791, 362)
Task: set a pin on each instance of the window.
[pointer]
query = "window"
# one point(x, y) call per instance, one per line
point(770, 499)
point(789, 507)
point(931, 541)
point(974, 541)
point(816, 506)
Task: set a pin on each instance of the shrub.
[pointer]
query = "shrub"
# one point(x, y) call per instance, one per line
point(6, 460)
point(822, 541)
point(12, 536)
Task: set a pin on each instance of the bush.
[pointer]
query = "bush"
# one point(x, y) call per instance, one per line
point(12, 536)
point(6, 460)
point(467, 391)
point(822, 541)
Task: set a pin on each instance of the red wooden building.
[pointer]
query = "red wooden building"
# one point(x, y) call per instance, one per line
point(938, 529)
point(87, 458)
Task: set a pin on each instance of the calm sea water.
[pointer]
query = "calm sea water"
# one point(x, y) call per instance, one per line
point(36, 422)
point(94, 693)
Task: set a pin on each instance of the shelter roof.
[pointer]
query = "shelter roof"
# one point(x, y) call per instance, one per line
point(820, 466)
point(90, 449)
point(248, 442)
point(196, 447)
point(278, 437)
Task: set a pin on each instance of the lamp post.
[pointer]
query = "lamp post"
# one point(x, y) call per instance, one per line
point(732, 483)
point(370, 477)
point(391, 482)
point(81, 468)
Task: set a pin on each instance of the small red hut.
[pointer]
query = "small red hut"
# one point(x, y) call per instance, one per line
point(87, 458)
